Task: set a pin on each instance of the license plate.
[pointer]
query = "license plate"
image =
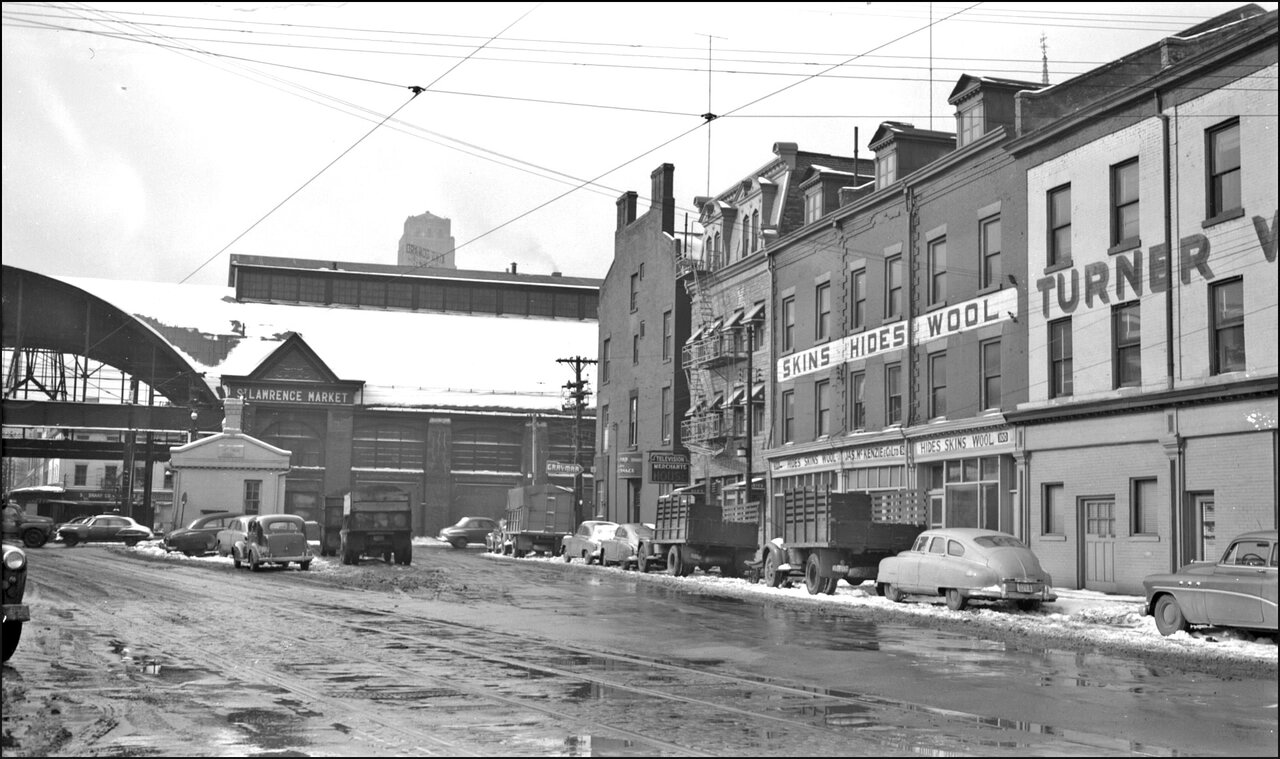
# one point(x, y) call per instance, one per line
point(1028, 587)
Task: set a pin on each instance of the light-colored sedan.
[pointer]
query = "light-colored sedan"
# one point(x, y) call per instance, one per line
point(584, 543)
point(963, 563)
point(623, 547)
point(1238, 590)
point(231, 536)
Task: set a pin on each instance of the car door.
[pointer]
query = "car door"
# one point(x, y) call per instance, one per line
point(1233, 592)
point(930, 565)
point(104, 528)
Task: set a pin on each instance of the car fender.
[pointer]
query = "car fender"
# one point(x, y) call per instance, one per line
point(889, 571)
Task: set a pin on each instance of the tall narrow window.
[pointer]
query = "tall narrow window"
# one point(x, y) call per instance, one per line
point(1060, 226)
point(1060, 372)
point(1126, 331)
point(858, 401)
point(938, 385)
point(1053, 516)
point(822, 312)
point(990, 244)
point(81, 476)
point(633, 420)
point(1228, 326)
point(858, 297)
point(788, 324)
point(755, 230)
point(822, 408)
point(1143, 507)
point(635, 290)
point(1224, 169)
point(938, 271)
point(812, 206)
point(789, 416)
point(666, 336)
point(666, 414)
point(886, 169)
point(604, 362)
point(893, 286)
point(252, 496)
point(1124, 204)
point(990, 369)
point(893, 393)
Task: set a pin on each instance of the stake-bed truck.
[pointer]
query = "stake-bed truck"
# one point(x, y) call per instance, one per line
point(690, 534)
point(377, 522)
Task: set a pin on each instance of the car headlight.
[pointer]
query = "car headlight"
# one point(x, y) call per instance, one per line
point(15, 559)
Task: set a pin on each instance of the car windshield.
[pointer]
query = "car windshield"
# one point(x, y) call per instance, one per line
point(998, 541)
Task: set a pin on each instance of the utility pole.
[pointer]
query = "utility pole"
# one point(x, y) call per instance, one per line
point(578, 393)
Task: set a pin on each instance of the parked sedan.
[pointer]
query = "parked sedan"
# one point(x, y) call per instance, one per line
point(1239, 590)
point(622, 548)
point(105, 528)
point(963, 563)
point(468, 530)
point(585, 542)
point(201, 536)
point(274, 539)
point(232, 535)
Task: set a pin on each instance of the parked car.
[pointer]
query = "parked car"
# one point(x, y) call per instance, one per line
point(201, 536)
point(15, 612)
point(274, 539)
point(232, 535)
point(32, 530)
point(963, 563)
point(104, 528)
point(584, 543)
point(468, 530)
point(1238, 590)
point(623, 546)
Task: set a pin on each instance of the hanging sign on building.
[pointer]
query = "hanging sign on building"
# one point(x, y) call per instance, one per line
point(630, 465)
point(978, 312)
point(669, 467)
point(561, 467)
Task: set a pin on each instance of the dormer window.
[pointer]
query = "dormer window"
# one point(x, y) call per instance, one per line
point(886, 168)
point(813, 205)
point(970, 122)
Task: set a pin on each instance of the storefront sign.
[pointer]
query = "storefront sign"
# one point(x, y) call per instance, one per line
point(977, 443)
point(560, 467)
point(669, 467)
point(630, 465)
point(978, 312)
point(840, 458)
point(303, 393)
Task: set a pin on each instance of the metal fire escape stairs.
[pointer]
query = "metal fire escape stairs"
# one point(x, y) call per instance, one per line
point(696, 373)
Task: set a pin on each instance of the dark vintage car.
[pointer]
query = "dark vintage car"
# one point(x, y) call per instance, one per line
point(32, 529)
point(963, 563)
point(274, 539)
point(622, 547)
point(15, 585)
point(468, 530)
point(1238, 590)
point(584, 543)
point(104, 528)
point(201, 536)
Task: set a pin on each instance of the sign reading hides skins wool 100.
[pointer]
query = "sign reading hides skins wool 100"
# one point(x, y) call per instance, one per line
point(979, 312)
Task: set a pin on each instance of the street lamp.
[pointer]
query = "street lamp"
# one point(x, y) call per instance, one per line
point(191, 433)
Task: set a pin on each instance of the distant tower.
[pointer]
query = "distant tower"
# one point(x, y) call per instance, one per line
point(427, 242)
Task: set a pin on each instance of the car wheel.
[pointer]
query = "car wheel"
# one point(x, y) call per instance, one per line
point(1029, 604)
point(188, 553)
point(254, 564)
point(71, 540)
point(235, 558)
point(893, 592)
point(564, 554)
point(11, 632)
point(1169, 616)
point(33, 538)
point(458, 542)
point(955, 599)
point(772, 577)
point(131, 542)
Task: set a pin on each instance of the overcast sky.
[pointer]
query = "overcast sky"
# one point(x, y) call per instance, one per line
point(151, 141)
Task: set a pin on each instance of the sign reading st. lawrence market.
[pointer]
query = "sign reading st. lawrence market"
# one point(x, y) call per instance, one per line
point(305, 393)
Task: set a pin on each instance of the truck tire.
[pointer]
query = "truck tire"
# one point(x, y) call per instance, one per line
point(772, 577)
point(404, 554)
point(814, 582)
point(642, 559)
point(33, 537)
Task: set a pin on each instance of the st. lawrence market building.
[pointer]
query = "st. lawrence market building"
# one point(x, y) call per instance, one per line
point(443, 383)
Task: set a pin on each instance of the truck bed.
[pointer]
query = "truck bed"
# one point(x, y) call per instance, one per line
point(841, 521)
point(701, 524)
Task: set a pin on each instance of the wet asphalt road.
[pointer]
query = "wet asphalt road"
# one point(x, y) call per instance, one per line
point(464, 653)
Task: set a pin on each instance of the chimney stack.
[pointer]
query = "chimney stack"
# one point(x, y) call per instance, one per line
point(513, 267)
point(662, 196)
point(232, 412)
point(626, 209)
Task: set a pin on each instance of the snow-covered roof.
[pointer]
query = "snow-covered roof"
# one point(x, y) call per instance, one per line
point(404, 358)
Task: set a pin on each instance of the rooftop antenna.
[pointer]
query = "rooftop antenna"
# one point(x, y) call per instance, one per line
point(1044, 58)
point(709, 116)
point(931, 65)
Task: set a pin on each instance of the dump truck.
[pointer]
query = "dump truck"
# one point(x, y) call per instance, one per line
point(830, 536)
point(377, 522)
point(690, 533)
point(538, 518)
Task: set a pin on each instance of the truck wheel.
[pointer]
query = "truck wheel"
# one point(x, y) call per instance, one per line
point(11, 633)
point(33, 538)
point(675, 567)
point(831, 586)
point(772, 577)
point(814, 582)
point(642, 559)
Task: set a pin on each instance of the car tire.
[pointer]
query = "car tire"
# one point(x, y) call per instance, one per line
point(34, 538)
point(1169, 616)
point(1029, 604)
point(458, 543)
point(893, 593)
point(564, 555)
point(11, 633)
point(955, 599)
point(254, 564)
point(131, 543)
point(304, 565)
point(235, 558)
point(71, 540)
